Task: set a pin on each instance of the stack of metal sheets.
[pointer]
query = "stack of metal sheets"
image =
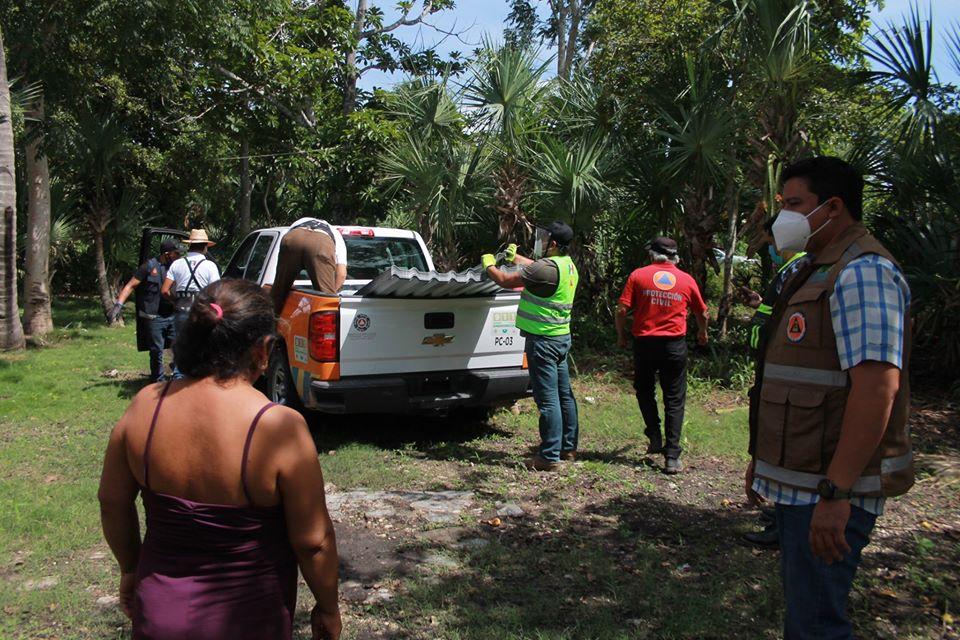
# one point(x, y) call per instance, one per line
point(413, 283)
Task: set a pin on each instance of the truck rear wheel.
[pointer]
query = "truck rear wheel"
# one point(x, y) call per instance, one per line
point(279, 382)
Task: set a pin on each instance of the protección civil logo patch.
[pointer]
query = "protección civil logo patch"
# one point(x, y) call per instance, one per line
point(796, 327)
point(664, 280)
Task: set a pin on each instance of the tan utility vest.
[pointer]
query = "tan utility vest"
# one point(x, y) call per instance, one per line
point(804, 391)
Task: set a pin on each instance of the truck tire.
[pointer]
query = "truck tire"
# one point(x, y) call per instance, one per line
point(279, 385)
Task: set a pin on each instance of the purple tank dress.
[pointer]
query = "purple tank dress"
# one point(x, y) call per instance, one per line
point(211, 571)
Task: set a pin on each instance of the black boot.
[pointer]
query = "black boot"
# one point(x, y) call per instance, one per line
point(769, 538)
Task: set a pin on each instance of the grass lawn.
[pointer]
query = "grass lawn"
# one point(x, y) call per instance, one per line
point(606, 548)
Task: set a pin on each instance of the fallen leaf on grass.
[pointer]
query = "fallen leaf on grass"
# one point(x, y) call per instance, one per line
point(887, 592)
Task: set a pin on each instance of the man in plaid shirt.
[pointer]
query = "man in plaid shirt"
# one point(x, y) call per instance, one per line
point(829, 495)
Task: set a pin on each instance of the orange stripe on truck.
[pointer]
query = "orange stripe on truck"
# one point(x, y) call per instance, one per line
point(294, 327)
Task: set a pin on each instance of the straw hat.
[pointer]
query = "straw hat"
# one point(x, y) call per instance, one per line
point(199, 236)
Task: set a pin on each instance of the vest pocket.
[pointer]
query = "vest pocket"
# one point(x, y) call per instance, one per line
point(771, 418)
point(803, 321)
point(804, 430)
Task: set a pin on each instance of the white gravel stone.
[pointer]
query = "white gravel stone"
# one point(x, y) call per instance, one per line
point(47, 582)
point(510, 510)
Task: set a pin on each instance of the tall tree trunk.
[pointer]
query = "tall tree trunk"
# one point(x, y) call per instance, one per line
point(726, 302)
point(561, 10)
point(11, 331)
point(107, 294)
point(246, 188)
point(699, 227)
point(37, 315)
point(572, 36)
point(350, 74)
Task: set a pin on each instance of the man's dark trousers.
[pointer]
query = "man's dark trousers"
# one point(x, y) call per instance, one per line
point(816, 593)
point(666, 356)
point(161, 334)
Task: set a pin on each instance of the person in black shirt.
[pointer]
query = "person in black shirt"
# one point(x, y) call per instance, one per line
point(153, 310)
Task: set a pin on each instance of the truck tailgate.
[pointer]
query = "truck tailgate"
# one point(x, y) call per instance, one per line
point(402, 335)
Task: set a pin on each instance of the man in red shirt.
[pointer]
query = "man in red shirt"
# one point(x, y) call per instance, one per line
point(659, 297)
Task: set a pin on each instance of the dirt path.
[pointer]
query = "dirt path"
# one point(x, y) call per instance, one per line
point(616, 543)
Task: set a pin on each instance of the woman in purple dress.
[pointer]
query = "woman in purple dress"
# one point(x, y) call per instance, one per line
point(231, 486)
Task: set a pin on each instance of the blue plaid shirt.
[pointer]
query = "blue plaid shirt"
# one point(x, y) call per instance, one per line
point(867, 309)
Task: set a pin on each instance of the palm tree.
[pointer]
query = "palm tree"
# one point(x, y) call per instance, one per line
point(774, 57)
point(572, 178)
point(440, 173)
point(698, 136)
point(11, 330)
point(37, 314)
point(913, 169)
point(903, 54)
point(100, 141)
point(505, 97)
point(912, 158)
point(443, 184)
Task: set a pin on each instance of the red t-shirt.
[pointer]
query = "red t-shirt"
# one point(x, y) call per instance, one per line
point(659, 296)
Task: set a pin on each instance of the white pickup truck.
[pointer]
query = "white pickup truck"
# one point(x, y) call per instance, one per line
point(399, 338)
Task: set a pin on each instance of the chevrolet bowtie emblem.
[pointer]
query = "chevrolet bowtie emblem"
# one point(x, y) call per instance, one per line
point(437, 340)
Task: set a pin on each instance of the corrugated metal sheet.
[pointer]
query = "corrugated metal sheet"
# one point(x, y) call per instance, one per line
point(413, 283)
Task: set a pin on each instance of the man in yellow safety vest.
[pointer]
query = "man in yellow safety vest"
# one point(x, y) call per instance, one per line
point(543, 317)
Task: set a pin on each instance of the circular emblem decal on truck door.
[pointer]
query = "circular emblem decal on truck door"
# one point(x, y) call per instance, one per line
point(796, 327)
point(361, 323)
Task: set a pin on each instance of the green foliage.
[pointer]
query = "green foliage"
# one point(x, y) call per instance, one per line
point(903, 53)
point(438, 172)
point(725, 365)
point(910, 159)
point(506, 93)
point(677, 120)
point(572, 178)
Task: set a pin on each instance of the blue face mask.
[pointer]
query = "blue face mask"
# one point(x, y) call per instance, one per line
point(777, 259)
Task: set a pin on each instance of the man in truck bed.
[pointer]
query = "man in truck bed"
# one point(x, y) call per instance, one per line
point(313, 245)
point(543, 318)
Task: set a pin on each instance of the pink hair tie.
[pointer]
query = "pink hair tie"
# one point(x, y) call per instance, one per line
point(218, 309)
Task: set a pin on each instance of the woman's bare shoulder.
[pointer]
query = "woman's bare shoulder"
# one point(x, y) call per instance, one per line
point(145, 401)
point(285, 429)
point(284, 420)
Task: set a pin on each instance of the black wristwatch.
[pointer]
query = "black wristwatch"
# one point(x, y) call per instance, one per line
point(829, 491)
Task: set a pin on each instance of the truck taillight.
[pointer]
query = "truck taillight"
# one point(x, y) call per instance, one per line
point(324, 342)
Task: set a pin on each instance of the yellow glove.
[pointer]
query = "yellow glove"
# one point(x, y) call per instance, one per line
point(488, 260)
point(510, 254)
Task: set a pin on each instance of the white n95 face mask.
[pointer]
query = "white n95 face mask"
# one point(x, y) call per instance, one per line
point(791, 229)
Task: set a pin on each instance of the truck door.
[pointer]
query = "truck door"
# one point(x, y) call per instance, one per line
point(250, 261)
point(150, 240)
